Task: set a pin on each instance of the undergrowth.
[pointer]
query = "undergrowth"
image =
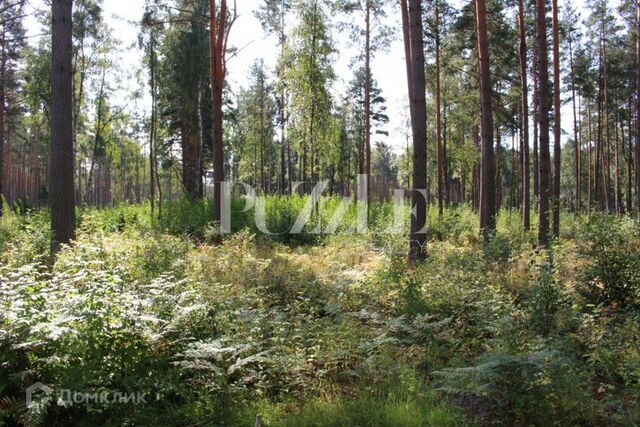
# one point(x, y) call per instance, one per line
point(327, 330)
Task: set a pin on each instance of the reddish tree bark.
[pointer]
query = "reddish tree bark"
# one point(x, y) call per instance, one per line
point(3, 65)
point(556, 120)
point(220, 23)
point(637, 150)
point(487, 166)
point(414, 51)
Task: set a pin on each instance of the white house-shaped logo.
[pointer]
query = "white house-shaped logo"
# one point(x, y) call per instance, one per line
point(34, 388)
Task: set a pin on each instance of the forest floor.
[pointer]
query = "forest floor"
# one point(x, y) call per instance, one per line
point(318, 330)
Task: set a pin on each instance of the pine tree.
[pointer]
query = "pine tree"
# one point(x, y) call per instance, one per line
point(62, 198)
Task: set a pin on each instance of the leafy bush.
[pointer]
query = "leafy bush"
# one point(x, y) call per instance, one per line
point(540, 388)
point(611, 250)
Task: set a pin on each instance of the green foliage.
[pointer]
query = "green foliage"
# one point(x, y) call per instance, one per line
point(611, 249)
point(313, 329)
point(540, 388)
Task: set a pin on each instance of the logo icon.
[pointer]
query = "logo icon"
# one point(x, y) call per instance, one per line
point(35, 388)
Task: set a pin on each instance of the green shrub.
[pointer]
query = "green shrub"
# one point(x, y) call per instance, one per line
point(611, 250)
point(540, 388)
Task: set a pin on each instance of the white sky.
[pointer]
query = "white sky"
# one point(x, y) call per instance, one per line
point(387, 67)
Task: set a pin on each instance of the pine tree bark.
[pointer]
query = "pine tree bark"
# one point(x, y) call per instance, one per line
point(367, 93)
point(414, 51)
point(543, 97)
point(439, 146)
point(3, 70)
point(576, 136)
point(629, 157)
point(487, 164)
point(616, 166)
point(498, 163)
point(220, 24)
point(637, 148)
point(557, 126)
point(605, 149)
point(62, 199)
point(475, 195)
point(526, 180)
point(590, 171)
point(536, 125)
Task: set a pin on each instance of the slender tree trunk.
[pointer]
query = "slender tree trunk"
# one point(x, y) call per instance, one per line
point(445, 157)
point(543, 97)
point(597, 175)
point(487, 164)
point(616, 159)
point(629, 157)
point(152, 125)
point(77, 102)
point(367, 93)
point(536, 125)
point(590, 171)
point(219, 27)
point(284, 159)
point(638, 108)
point(262, 135)
point(95, 152)
point(577, 156)
point(514, 168)
point(439, 147)
point(414, 50)
point(3, 71)
point(475, 198)
point(557, 127)
point(201, 143)
point(61, 179)
point(606, 150)
point(498, 155)
point(526, 180)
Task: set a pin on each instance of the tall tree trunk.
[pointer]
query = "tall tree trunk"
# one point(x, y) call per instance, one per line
point(629, 156)
point(414, 50)
point(577, 154)
point(262, 136)
point(367, 94)
point(526, 196)
point(536, 125)
point(475, 198)
point(285, 161)
point(61, 180)
point(201, 143)
point(3, 71)
point(514, 168)
point(591, 171)
point(638, 108)
point(606, 149)
point(616, 159)
point(487, 164)
point(543, 98)
point(190, 160)
point(557, 127)
point(439, 147)
point(152, 125)
point(96, 153)
point(219, 27)
point(498, 155)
